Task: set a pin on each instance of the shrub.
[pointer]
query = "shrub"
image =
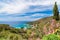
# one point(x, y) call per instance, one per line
point(6, 35)
point(51, 37)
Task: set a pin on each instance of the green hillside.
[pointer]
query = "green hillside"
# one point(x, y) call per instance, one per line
point(46, 26)
point(39, 30)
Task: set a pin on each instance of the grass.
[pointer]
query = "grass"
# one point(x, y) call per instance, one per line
point(6, 35)
point(41, 27)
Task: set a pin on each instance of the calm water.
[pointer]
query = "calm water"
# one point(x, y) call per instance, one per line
point(16, 24)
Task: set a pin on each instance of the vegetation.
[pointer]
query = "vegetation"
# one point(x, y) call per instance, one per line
point(56, 12)
point(6, 35)
point(43, 29)
point(51, 37)
point(37, 31)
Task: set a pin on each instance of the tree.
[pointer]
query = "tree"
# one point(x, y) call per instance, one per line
point(55, 12)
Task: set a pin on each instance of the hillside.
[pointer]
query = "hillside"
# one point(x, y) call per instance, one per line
point(37, 31)
point(46, 26)
point(43, 20)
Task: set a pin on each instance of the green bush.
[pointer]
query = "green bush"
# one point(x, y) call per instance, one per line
point(6, 35)
point(51, 37)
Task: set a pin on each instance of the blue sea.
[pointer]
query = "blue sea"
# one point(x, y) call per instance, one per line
point(19, 24)
point(15, 24)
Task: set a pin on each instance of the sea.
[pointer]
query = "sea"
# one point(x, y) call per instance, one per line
point(21, 24)
point(15, 24)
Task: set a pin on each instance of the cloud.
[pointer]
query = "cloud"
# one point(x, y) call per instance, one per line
point(26, 18)
point(10, 8)
point(18, 6)
point(40, 15)
point(25, 10)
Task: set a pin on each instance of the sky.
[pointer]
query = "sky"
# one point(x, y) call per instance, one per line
point(26, 10)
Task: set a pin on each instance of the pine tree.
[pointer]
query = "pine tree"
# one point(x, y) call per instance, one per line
point(55, 12)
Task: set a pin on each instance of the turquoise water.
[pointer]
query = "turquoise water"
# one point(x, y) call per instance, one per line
point(16, 24)
point(19, 24)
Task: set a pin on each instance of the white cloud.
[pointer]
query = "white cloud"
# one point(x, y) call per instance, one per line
point(10, 8)
point(22, 6)
point(18, 6)
point(41, 14)
point(26, 18)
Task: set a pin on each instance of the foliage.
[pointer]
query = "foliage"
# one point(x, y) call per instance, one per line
point(9, 33)
point(56, 12)
point(51, 37)
point(6, 35)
